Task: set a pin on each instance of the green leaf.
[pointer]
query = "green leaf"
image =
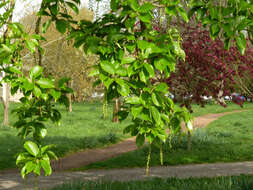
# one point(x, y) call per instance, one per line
point(44, 149)
point(6, 49)
point(241, 43)
point(127, 60)
point(45, 163)
point(44, 96)
point(134, 4)
point(108, 67)
point(133, 100)
point(143, 76)
point(189, 126)
point(122, 88)
point(146, 18)
point(155, 114)
point(171, 10)
point(14, 69)
point(73, 7)
point(45, 83)
point(52, 155)
point(28, 85)
point(161, 64)
point(23, 171)
point(251, 8)
point(213, 12)
point(131, 70)
point(228, 29)
point(35, 72)
point(122, 115)
point(62, 82)
point(94, 72)
point(37, 91)
point(30, 166)
point(56, 94)
point(42, 132)
point(146, 8)
point(142, 44)
point(140, 139)
point(136, 111)
point(115, 4)
point(162, 87)
point(145, 115)
point(54, 9)
point(61, 25)
point(30, 45)
point(155, 100)
point(150, 69)
point(178, 50)
point(32, 148)
point(46, 25)
point(215, 29)
point(183, 14)
point(165, 118)
point(227, 43)
point(21, 158)
point(108, 82)
point(121, 71)
point(37, 169)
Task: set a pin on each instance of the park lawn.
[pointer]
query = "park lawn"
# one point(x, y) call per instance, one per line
point(214, 108)
point(242, 182)
point(228, 139)
point(83, 128)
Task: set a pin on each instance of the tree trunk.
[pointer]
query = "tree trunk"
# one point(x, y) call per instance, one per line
point(189, 141)
point(70, 97)
point(11, 5)
point(70, 103)
point(116, 109)
point(6, 103)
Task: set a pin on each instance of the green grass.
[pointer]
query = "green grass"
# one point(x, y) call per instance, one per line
point(214, 108)
point(241, 182)
point(83, 128)
point(228, 139)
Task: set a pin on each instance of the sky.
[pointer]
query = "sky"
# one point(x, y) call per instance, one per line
point(25, 6)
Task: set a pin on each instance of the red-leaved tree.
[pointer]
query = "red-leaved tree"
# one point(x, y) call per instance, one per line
point(209, 69)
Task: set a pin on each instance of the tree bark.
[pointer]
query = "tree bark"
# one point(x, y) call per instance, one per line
point(6, 90)
point(189, 141)
point(116, 109)
point(70, 97)
point(6, 103)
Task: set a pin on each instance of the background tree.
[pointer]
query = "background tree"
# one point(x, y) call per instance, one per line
point(216, 71)
point(60, 58)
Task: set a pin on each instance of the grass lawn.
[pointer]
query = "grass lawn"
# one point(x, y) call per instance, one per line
point(242, 182)
point(213, 108)
point(83, 128)
point(227, 139)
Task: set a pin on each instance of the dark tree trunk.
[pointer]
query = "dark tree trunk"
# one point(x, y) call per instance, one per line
point(189, 141)
point(116, 109)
